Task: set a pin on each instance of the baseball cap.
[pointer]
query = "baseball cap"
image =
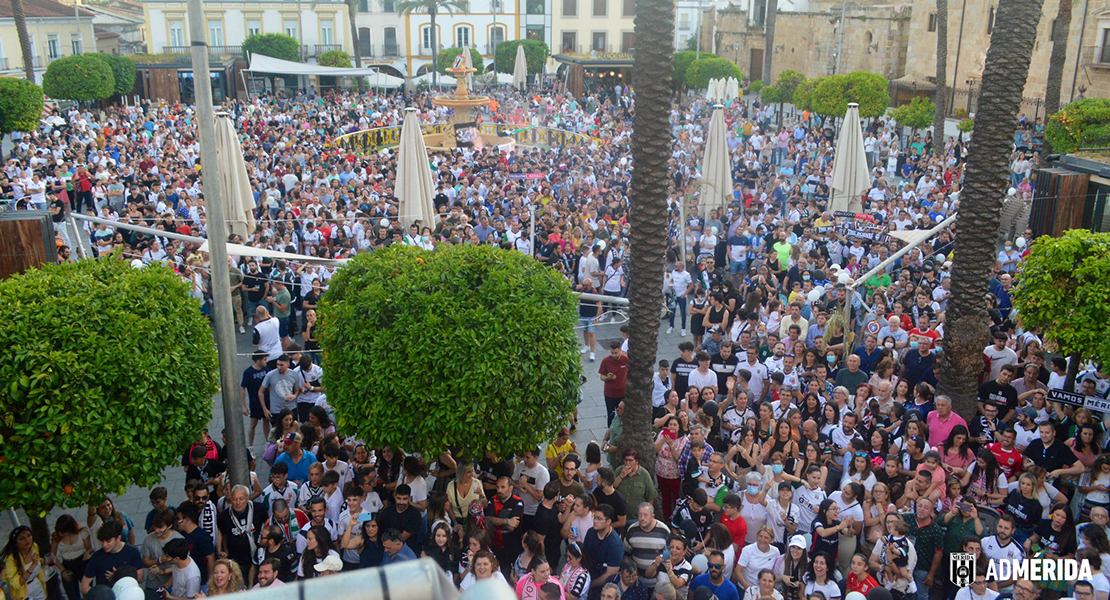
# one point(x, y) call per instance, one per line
point(294, 437)
point(715, 329)
point(1030, 412)
point(331, 563)
point(798, 541)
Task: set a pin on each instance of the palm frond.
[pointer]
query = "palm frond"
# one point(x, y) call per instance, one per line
point(405, 7)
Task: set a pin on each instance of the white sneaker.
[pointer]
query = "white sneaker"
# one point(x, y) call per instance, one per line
point(241, 329)
point(592, 357)
point(583, 349)
point(683, 333)
point(670, 330)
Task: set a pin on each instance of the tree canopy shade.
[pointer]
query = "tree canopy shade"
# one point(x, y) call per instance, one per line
point(787, 82)
point(1062, 290)
point(123, 70)
point(81, 77)
point(682, 62)
point(918, 114)
point(535, 54)
point(20, 105)
point(277, 45)
point(702, 70)
point(1081, 124)
point(831, 95)
point(108, 372)
point(468, 346)
point(447, 58)
point(335, 58)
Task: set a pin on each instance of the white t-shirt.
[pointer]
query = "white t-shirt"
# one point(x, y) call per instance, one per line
point(967, 594)
point(752, 561)
point(269, 338)
point(1000, 358)
point(680, 281)
point(993, 551)
point(186, 580)
point(537, 478)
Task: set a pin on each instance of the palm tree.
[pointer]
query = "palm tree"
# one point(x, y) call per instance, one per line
point(769, 35)
point(24, 39)
point(352, 10)
point(432, 7)
point(651, 144)
point(941, 96)
point(985, 183)
point(1059, 55)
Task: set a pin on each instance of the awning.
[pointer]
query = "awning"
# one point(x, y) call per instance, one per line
point(269, 64)
point(909, 81)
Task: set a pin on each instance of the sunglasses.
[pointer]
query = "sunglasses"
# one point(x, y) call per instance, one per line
point(713, 566)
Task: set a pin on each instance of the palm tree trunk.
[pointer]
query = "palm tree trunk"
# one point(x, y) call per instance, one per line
point(435, 44)
point(769, 35)
point(351, 11)
point(941, 95)
point(24, 39)
point(1059, 55)
point(651, 143)
point(966, 324)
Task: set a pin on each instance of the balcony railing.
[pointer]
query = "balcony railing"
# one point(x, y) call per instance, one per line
point(236, 51)
point(1095, 56)
point(322, 48)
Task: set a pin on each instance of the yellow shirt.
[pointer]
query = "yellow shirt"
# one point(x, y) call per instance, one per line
point(555, 453)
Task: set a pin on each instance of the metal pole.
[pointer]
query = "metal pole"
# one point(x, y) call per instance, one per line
point(697, 44)
point(80, 34)
point(840, 37)
point(217, 250)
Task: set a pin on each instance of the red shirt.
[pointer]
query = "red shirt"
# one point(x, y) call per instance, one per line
point(855, 585)
point(1010, 461)
point(615, 388)
point(738, 528)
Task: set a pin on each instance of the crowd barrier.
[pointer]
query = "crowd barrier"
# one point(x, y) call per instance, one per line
point(372, 140)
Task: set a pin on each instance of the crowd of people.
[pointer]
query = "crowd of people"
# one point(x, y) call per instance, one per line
point(801, 452)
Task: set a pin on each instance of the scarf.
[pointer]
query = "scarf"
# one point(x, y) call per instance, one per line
point(244, 527)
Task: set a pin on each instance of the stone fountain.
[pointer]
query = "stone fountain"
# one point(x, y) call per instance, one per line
point(463, 128)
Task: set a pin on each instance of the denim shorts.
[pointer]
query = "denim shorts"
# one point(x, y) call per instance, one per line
point(588, 324)
point(737, 266)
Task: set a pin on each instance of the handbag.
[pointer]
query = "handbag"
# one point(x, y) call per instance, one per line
point(270, 454)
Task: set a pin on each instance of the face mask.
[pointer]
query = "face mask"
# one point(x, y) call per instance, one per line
point(753, 490)
point(761, 335)
point(913, 344)
point(831, 358)
point(889, 344)
point(805, 277)
point(776, 469)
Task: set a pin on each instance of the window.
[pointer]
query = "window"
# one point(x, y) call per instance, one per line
point(534, 7)
point(177, 32)
point(570, 41)
point(216, 33)
point(463, 6)
point(462, 36)
point(426, 38)
point(496, 36)
point(628, 41)
point(534, 32)
point(932, 21)
point(570, 8)
point(1052, 31)
point(363, 5)
point(629, 8)
point(254, 27)
point(601, 8)
point(53, 48)
point(387, 6)
point(365, 44)
point(290, 26)
point(1104, 51)
point(598, 44)
point(75, 43)
point(990, 22)
point(684, 21)
point(327, 31)
point(495, 6)
point(391, 41)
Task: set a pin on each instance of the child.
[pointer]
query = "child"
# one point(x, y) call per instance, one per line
point(280, 488)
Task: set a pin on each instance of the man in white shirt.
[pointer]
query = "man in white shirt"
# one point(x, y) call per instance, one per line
point(661, 383)
point(267, 336)
point(680, 287)
point(750, 363)
point(999, 354)
point(186, 574)
point(529, 479)
point(1001, 546)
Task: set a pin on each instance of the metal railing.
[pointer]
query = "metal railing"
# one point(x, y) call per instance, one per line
point(236, 51)
point(322, 48)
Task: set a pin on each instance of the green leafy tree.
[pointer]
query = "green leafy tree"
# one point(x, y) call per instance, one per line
point(771, 94)
point(802, 98)
point(681, 63)
point(756, 86)
point(20, 105)
point(335, 58)
point(1062, 291)
point(702, 70)
point(1081, 124)
point(433, 8)
point(918, 114)
point(966, 125)
point(535, 54)
point(447, 58)
point(274, 45)
point(123, 70)
point(490, 326)
point(82, 77)
point(788, 81)
point(832, 94)
point(829, 96)
point(108, 371)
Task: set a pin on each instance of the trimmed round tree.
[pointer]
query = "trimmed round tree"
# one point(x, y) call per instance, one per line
point(681, 62)
point(447, 58)
point(82, 77)
point(918, 114)
point(123, 70)
point(20, 105)
point(702, 70)
point(335, 58)
point(108, 373)
point(467, 347)
point(535, 54)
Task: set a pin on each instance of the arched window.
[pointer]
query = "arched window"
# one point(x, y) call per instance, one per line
point(463, 36)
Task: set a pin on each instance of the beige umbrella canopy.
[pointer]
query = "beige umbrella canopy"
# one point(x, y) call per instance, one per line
point(520, 69)
point(234, 182)
point(414, 176)
point(851, 179)
point(468, 62)
point(716, 171)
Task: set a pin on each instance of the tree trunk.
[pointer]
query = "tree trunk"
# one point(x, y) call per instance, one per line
point(435, 44)
point(941, 95)
point(651, 143)
point(40, 531)
point(769, 35)
point(24, 40)
point(1072, 373)
point(966, 326)
point(1056, 61)
point(351, 12)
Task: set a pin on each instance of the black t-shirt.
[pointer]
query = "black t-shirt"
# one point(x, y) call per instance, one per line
point(1027, 511)
point(401, 521)
point(287, 555)
point(206, 472)
point(1004, 397)
point(546, 523)
point(61, 216)
point(1056, 456)
point(501, 538)
point(682, 369)
point(256, 280)
point(1060, 543)
point(102, 563)
point(238, 546)
point(724, 368)
point(201, 547)
point(615, 500)
point(828, 545)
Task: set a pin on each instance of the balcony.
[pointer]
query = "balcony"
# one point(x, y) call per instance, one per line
point(391, 50)
point(319, 49)
point(235, 51)
point(1095, 56)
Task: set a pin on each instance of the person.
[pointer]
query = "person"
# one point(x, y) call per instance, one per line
point(114, 554)
point(859, 578)
point(645, 541)
point(756, 559)
point(634, 482)
point(251, 381)
point(819, 578)
point(395, 548)
point(714, 579)
point(614, 372)
point(226, 579)
point(978, 589)
point(201, 547)
point(268, 574)
point(539, 575)
point(161, 532)
point(482, 566)
point(630, 585)
point(239, 524)
point(895, 559)
point(603, 548)
point(1002, 546)
point(279, 391)
point(928, 538)
point(72, 547)
point(24, 567)
point(575, 578)
point(185, 574)
point(1054, 539)
point(504, 512)
point(273, 547)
